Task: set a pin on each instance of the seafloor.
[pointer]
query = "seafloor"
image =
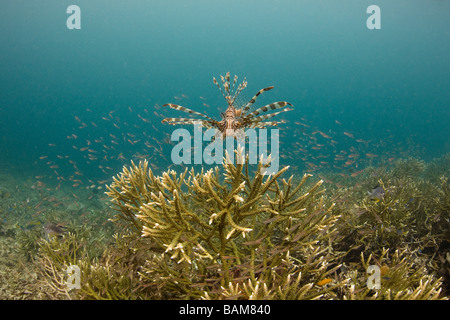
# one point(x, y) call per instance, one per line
point(410, 221)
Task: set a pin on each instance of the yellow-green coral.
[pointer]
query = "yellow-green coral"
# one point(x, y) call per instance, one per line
point(404, 278)
point(218, 227)
point(233, 233)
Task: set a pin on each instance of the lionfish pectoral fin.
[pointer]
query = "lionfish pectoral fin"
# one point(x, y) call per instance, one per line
point(252, 100)
point(187, 110)
point(269, 107)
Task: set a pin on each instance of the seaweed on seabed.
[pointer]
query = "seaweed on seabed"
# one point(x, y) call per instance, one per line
point(231, 234)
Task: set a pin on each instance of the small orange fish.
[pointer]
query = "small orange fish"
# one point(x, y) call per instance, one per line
point(38, 212)
point(349, 162)
point(349, 134)
point(324, 282)
point(354, 174)
point(324, 135)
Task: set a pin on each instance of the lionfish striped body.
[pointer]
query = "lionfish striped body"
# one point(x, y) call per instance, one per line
point(233, 118)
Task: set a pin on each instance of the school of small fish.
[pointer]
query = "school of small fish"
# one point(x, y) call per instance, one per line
point(105, 142)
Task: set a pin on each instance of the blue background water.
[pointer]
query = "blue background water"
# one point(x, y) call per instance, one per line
point(388, 87)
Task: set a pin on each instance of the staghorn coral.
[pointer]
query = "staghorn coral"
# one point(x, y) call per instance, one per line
point(103, 276)
point(411, 211)
point(412, 215)
point(407, 167)
point(403, 277)
point(233, 233)
point(53, 258)
point(115, 275)
point(229, 230)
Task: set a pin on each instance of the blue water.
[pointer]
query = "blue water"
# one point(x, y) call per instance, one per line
point(389, 88)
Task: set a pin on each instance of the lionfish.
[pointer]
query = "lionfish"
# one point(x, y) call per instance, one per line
point(233, 118)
